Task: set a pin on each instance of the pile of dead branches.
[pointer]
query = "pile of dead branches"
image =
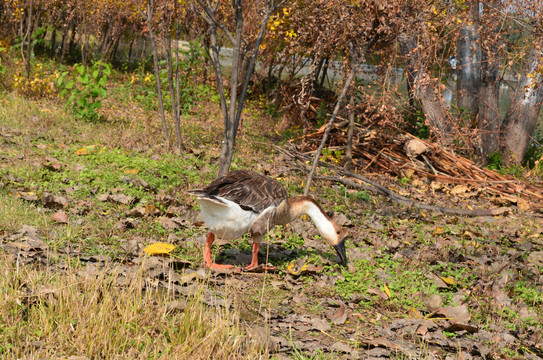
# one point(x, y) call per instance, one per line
point(406, 155)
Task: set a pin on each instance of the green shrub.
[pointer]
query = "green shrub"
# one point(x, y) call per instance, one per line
point(84, 88)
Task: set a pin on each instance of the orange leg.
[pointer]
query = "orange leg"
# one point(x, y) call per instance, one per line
point(254, 261)
point(208, 263)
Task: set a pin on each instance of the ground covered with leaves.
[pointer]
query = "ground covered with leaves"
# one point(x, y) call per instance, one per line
point(83, 206)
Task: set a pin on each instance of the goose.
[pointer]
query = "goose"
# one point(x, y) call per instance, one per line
point(244, 202)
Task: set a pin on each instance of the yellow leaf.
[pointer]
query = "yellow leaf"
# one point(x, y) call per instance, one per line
point(423, 214)
point(387, 291)
point(415, 314)
point(290, 269)
point(159, 249)
point(449, 281)
point(131, 171)
point(82, 151)
point(150, 209)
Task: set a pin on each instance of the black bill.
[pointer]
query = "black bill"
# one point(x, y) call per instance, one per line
point(340, 249)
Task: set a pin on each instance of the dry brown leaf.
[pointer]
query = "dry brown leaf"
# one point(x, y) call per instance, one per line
point(60, 217)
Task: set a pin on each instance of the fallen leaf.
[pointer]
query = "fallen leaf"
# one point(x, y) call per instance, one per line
point(321, 325)
point(28, 196)
point(415, 314)
point(159, 249)
point(125, 224)
point(60, 217)
point(381, 294)
point(449, 280)
point(51, 201)
point(456, 314)
point(341, 347)
point(137, 212)
point(168, 223)
point(454, 327)
point(301, 267)
point(387, 291)
point(339, 316)
point(459, 189)
point(121, 198)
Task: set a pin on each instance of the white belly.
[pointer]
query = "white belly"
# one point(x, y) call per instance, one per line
point(227, 221)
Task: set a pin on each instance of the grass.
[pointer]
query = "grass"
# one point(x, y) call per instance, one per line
point(47, 314)
point(140, 320)
point(400, 280)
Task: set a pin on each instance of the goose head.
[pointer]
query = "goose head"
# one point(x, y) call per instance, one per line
point(328, 228)
point(334, 235)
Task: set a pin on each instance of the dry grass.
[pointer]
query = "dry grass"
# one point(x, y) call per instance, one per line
point(54, 314)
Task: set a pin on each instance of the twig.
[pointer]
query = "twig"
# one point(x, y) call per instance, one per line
point(329, 127)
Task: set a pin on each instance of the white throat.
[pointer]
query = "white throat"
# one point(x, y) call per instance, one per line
point(322, 222)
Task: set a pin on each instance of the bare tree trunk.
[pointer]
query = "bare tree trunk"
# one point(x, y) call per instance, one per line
point(28, 37)
point(427, 91)
point(488, 113)
point(53, 42)
point(148, 18)
point(177, 93)
point(72, 38)
point(131, 46)
point(63, 41)
point(232, 114)
point(173, 95)
point(346, 87)
point(520, 120)
point(468, 54)
point(324, 72)
point(227, 150)
point(489, 91)
point(84, 36)
point(350, 131)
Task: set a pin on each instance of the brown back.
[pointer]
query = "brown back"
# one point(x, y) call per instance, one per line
point(252, 191)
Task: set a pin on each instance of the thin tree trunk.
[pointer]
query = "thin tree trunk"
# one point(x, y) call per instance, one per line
point(232, 114)
point(346, 87)
point(520, 120)
point(28, 37)
point(173, 97)
point(113, 55)
point(468, 54)
point(63, 42)
point(227, 150)
point(350, 131)
point(131, 46)
point(177, 90)
point(426, 90)
point(148, 18)
point(72, 38)
point(488, 113)
point(489, 91)
point(324, 72)
point(53, 42)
